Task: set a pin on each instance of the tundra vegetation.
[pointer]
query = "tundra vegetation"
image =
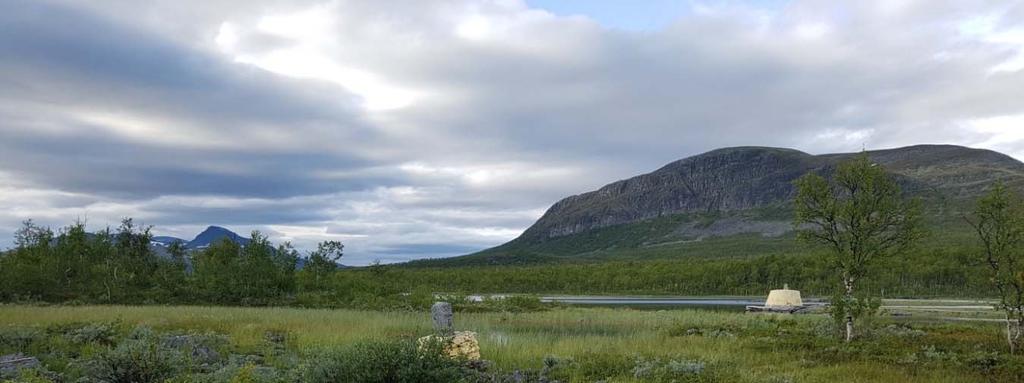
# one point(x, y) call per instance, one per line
point(260, 344)
point(175, 334)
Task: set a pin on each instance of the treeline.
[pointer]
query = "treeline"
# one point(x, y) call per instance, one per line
point(119, 266)
point(949, 272)
point(75, 265)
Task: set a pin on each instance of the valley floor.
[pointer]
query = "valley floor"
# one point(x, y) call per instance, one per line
point(576, 344)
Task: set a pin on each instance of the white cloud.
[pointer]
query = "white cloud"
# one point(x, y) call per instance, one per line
point(309, 33)
point(1003, 133)
point(811, 30)
point(474, 27)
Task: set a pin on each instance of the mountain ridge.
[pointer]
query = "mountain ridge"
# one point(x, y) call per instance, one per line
point(736, 191)
point(747, 177)
point(204, 239)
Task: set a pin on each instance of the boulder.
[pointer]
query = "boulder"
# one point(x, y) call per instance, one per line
point(10, 364)
point(199, 350)
point(461, 344)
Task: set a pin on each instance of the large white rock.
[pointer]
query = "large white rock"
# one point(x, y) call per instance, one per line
point(460, 344)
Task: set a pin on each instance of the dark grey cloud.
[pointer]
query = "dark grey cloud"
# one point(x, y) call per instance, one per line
point(423, 129)
point(117, 167)
point(54, 75)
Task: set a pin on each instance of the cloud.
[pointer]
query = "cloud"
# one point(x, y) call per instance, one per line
point(419, 129)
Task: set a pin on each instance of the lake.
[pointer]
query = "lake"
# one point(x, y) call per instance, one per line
point(728, 304)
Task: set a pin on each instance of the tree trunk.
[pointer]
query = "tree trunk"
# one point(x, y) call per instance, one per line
point(1014, 332)
point(848, 297)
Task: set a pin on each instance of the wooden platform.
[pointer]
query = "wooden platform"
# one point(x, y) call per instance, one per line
point(777, 309)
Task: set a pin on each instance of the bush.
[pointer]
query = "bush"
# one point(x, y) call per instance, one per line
point(101, 333)
point(656, 370)
point(600, 366)
point(383, 362)
point(200, 349)
point(18, 339)
point(139, 359)
point(511, 303)
point(30, 376)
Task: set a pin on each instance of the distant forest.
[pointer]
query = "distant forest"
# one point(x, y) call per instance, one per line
point(119, 266)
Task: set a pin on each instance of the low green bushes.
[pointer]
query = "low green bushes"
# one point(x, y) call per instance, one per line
point(383, 362)
point(274, 345)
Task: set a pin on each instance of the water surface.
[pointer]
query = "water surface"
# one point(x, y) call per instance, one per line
point(657, 303)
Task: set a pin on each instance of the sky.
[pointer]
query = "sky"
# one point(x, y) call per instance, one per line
point(424, 129)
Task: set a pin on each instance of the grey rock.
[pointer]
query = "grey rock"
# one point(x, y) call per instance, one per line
point(441, 313)
point(10, 364)
point(198, 350)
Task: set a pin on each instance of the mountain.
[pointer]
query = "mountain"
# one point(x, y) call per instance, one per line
point(733, 198)
point(214, 234)
point(736, 179)
point(211, 235)
point(164, 241)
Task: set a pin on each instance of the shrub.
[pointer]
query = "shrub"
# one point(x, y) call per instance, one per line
point(511, 303)
point(200, 349)
point(383, 362)
point(29, 376)
point(139, 359)
point(253, 374)
point(99, 333)
point(656, 370)
point(18, 339)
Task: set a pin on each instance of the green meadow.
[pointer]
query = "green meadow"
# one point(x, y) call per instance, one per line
point(565, 344)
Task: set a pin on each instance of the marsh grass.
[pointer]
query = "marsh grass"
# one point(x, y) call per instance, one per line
point(584, 344)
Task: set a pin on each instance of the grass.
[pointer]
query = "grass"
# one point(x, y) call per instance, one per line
point(734, 346)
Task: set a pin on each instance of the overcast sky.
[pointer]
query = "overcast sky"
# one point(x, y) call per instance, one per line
point(411, 129)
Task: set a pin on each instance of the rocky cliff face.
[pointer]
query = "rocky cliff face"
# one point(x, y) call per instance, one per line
point(744, 178)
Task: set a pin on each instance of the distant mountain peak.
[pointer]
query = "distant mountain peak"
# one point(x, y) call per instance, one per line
point(212, 235)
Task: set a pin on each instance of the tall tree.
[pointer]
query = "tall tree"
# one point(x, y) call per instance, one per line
point(254, 274)
point(217, 270)
point(75, 258)
point(29, 271)
point(860, 215)
point(999, 221)
point(130, 270)
point(171, 276)
point(322, 262)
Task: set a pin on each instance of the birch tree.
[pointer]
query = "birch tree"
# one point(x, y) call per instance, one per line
point(999, 221)
point(859, 215)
